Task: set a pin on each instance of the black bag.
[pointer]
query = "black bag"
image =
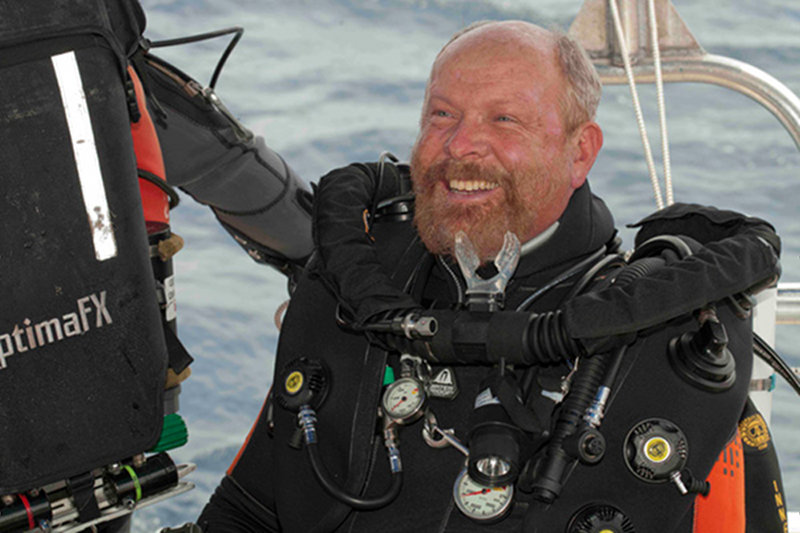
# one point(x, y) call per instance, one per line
point(82, 351)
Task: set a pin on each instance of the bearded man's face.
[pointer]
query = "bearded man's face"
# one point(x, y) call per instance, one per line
point(492, 153)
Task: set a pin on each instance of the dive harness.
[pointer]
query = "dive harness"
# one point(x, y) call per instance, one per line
point(484, 334)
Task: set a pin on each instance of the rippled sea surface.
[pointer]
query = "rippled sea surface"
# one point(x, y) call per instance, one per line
point(330, 82)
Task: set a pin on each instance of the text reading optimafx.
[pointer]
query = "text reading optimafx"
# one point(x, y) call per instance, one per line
point(31, 336)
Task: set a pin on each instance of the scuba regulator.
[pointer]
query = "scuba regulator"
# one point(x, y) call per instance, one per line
point(304, 385)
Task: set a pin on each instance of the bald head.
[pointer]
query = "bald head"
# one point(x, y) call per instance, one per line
point(580, 94)
point(502, 32)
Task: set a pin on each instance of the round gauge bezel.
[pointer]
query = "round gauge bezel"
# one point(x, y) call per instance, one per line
point(495, 516)
point(421, 398)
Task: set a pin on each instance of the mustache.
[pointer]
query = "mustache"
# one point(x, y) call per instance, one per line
point(460, 170)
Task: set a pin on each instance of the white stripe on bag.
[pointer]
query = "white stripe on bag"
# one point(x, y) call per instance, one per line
point(76, 110)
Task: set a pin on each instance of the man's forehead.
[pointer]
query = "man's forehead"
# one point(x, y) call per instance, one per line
point(494, 45)
point(496, 58)
point(507, 38)
point(487, 92)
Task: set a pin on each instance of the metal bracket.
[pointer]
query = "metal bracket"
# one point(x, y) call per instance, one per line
point(683, 59)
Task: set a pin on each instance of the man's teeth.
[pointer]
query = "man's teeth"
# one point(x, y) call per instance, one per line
point(471, 185)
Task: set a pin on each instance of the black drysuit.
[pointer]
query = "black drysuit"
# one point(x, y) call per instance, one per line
point(272, 487)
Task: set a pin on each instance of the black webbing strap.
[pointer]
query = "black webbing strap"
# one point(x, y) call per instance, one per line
point(82, 490)
point(522, 417)
point(179, 357)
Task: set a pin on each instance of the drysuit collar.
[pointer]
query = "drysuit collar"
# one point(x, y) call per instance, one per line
point(583, 228)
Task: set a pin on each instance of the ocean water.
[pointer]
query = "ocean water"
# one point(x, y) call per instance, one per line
point(329, 82)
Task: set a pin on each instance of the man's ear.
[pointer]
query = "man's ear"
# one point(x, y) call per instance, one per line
point(586, 142)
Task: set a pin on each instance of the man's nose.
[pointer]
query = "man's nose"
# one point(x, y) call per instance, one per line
point(468, 140)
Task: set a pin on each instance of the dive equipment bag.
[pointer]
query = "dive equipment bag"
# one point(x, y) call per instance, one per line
point(82, 352)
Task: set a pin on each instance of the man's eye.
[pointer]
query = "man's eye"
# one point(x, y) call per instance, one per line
point(441, 113)
point(504, 118)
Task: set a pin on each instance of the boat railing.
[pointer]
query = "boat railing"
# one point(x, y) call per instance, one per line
point(788, 311)
point(682, 57)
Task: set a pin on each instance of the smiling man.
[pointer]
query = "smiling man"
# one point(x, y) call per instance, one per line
point(507, 138)
point(506, 141)
point(506, 135)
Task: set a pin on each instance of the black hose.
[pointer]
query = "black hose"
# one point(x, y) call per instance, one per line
point(765, 352)
point(590, 274)
point(332, 488)
point(238, 31)
point(548, 341)
point(639, 269)
point(479, 338)
point(561, 278)
point(549, 480)
point(373, 207)
point(588, 378)
point(613, 366)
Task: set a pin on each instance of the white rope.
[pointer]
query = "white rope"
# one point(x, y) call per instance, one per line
point(662, 111)
point(623, 47)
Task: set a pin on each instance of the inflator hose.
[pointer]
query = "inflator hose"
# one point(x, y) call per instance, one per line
point(359, 504)
point(467, 337)
point(744, 263)
point(643, 296)
point(588, 378)
point(550, 479)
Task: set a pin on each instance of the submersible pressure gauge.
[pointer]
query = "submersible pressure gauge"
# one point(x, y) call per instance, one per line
point(404, 400)
point(479, 502)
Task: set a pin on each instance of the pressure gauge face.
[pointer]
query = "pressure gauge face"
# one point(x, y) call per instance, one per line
point(479, 502)
point(403, 400)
